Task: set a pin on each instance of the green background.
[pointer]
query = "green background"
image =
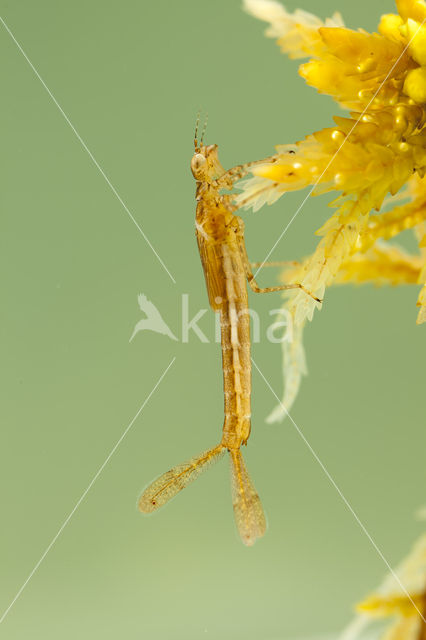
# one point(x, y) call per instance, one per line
point(131, 77)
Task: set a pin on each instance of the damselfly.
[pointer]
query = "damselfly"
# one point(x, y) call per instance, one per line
point(220, 237)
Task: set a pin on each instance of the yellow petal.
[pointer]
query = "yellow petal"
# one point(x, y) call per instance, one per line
point(415, 85)
point(390, 27)
point(415, 9)
point(417, 36)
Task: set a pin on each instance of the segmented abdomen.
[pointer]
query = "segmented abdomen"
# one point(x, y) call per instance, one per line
point(235, 334)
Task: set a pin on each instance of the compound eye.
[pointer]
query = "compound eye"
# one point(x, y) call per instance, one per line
point(198, 162)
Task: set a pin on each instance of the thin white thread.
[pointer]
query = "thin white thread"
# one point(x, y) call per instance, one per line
point(336, 487)
point(85, 492)
point(338, 150)
point(90, 154)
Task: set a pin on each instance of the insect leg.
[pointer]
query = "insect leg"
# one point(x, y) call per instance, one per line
point(252, 281)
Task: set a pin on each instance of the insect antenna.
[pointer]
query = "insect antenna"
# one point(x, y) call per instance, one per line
point(204, 129)
point(197, 122)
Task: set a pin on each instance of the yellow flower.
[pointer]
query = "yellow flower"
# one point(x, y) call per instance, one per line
point(401, 598)
point(365, 158)
point(414, 9)
point(297, 33)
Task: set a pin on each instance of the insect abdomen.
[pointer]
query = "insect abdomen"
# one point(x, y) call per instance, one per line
point(235, 329)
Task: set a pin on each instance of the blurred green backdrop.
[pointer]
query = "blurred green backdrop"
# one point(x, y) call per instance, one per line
point(131, 77)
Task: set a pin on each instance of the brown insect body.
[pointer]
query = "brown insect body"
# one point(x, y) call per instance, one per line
point(220, 237)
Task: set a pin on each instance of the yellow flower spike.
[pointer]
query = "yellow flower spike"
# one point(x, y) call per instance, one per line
point(364, 159)
point(295, 175)
point(400, 599)
point(297, 33)
point(390, 224)
point(417, 37)
point(384, 606)
point(384, 264)
point(415, 9)
point(356, 67)
point(390, 27)
point(415, 85)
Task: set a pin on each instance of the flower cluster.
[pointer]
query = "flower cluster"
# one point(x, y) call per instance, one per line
point(401, 598)
point(366, 158)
